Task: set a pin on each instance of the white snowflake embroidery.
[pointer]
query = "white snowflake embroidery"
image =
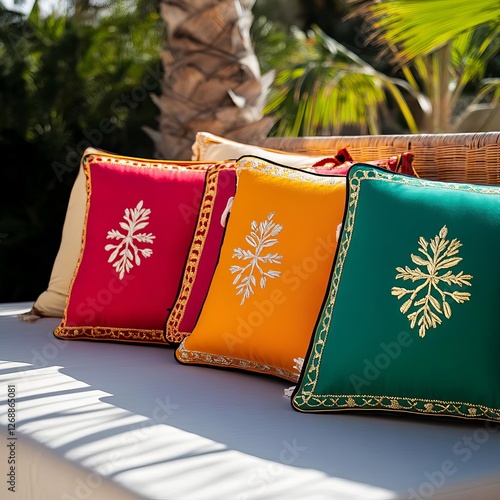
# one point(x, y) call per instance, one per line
point(261, 237)
point(126, 252)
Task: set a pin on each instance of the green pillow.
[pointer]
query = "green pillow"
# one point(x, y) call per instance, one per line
point(411, 319)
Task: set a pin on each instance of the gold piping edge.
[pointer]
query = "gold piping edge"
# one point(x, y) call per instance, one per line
point(189, 356)
point(143, 162)
point(255, 164)
point(305, 391)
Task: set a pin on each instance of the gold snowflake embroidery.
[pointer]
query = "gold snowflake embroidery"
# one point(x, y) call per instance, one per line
point(438, 255)
point(261, 237)
point(126, 252)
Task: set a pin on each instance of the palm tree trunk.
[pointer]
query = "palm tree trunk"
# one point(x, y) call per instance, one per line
point(445, 91)
point(439, 90)
point(212, 79)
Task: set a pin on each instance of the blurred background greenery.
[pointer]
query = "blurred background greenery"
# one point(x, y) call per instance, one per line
point(82, 73)
point(60, 75)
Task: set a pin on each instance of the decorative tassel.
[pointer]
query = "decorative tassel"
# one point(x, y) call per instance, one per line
point(225, 214)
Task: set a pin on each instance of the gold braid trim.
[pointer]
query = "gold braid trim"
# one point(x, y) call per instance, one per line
point(327, 402)
point(188, 356)
point(306, 398)
point(172, 327)
point(260, 165)
point(106, 333)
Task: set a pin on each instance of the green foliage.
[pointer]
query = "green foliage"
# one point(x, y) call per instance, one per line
point(324, 88)
point(450, 63)
point(419, 27)
point(321, 87)
point(66, 82)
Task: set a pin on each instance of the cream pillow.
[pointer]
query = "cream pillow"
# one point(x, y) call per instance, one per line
point(210, 147)
point(52, 301)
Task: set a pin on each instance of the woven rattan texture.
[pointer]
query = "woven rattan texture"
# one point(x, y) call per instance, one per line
point(473, 157)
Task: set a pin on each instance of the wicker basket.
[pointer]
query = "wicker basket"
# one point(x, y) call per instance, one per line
point(472, 158)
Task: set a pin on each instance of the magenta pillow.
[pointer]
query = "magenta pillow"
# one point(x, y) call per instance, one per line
point(220, 187)
point(138, 229)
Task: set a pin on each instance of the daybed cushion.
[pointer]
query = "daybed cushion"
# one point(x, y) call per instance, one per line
point(106, 421)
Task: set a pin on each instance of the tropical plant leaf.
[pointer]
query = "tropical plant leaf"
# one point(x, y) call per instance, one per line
point(420, 27)
point(324, 87)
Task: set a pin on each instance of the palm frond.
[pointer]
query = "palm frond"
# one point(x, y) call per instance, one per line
point(324, 87)
point(419, 27)
point(471, 53)
point(490, 90)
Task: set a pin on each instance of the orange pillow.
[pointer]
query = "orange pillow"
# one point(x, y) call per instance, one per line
point(272, 273)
